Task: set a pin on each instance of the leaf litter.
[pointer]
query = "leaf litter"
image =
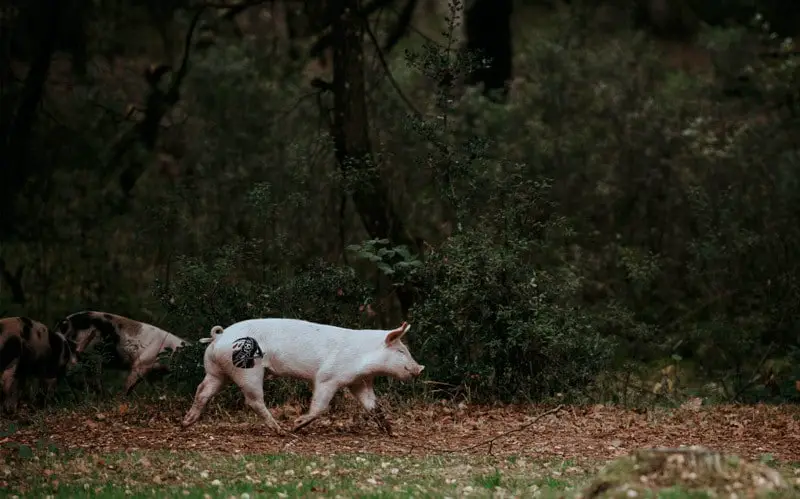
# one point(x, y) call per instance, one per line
point(596, 432)
point(152, 448)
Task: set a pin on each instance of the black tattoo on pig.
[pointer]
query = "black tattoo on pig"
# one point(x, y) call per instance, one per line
point(245, 353)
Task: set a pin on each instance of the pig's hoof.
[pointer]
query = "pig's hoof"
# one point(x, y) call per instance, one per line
point(300, 422)
point(278, 430)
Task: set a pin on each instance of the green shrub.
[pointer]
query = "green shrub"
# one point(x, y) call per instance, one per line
point(615, 215)
point(498, 324)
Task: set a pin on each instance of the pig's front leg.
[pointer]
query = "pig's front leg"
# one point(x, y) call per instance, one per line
point(48, 386)
point(363, 390)
point(323, 394)
point(138, 370)
point(141, 370)
point(11, 388)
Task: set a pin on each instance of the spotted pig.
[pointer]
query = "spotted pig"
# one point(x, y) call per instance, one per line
point(29, 349)
point(132, 344)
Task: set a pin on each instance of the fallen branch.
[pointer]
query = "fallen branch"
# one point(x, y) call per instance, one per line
point(492, 440)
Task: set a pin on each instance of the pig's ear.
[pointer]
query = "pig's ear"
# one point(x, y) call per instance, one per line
point(396, 334)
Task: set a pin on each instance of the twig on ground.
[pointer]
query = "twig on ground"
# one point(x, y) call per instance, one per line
point(492, 440)
point(432, 382)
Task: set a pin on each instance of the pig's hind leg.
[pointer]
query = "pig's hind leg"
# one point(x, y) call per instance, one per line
point(251, 381)
point(210, 386)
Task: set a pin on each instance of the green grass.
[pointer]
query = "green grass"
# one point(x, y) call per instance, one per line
point(166, 474)
point(44, 470)
point(192, 475)
point(48, 472)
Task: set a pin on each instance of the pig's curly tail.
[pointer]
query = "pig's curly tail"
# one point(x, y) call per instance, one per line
point(216, 330)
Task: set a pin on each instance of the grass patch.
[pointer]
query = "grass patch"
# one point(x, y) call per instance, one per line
point(233, 458)
point(168, 474)
point(195, 475)
point(690, 472)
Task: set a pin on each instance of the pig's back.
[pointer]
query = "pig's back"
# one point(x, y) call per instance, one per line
point(299, 338)
point(303, 343)
point(286, 336)
point(312, 336)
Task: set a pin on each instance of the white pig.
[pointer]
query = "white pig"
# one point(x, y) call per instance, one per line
point(331, 357)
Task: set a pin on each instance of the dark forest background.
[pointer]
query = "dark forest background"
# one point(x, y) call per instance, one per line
point(590, 200)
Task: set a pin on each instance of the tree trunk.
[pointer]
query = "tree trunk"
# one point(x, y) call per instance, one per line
point(488, 32)
point(671, 19)
point(15, 164)
point(350, 130)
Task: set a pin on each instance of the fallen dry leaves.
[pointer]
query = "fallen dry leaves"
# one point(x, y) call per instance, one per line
point(593, 432)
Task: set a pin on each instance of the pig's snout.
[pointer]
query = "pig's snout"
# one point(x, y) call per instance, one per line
point(415, 370)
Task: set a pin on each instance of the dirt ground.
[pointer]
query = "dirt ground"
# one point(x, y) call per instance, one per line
point(591, 432)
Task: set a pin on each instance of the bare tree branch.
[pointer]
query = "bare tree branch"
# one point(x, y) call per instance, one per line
point(15, 167)
point(402, 26)
point(418, 31)
point(159, 103)
point(326, 40)
point(385, 65)
point(237, 6)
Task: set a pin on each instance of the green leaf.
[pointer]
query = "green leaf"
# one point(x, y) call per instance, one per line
point(402, 250)
point(385, 268)
point(12, 428)
point(24, 451)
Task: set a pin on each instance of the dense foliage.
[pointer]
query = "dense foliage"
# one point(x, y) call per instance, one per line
point(615, 213)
